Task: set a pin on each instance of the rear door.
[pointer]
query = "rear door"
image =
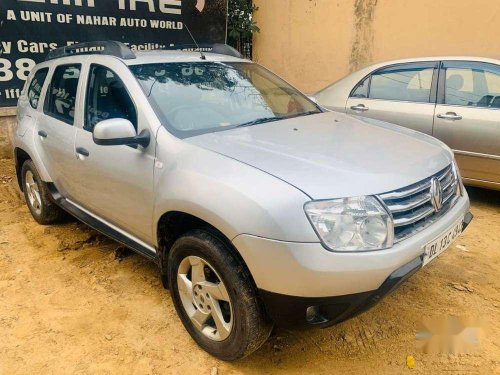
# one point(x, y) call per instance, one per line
point(29, 102)
point(403, 94)
point(467, 117)
point(56, 132)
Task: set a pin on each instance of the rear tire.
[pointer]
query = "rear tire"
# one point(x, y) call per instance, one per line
point(37, 196)
point(214, 296)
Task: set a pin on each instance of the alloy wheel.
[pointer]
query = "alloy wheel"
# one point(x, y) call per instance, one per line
point(205, 298)
point(33, 192)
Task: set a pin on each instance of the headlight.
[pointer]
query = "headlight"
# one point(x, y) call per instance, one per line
point(351, 224)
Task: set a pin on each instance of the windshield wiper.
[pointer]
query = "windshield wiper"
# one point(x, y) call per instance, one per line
point(258, 121)
point(315, 112)
point(263, 120)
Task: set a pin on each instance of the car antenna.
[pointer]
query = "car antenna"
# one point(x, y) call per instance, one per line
point(203, 57)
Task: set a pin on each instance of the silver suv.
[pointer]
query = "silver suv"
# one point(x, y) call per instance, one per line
point(258, 207)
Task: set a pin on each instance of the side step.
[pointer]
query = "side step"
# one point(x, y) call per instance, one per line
point(99, 225)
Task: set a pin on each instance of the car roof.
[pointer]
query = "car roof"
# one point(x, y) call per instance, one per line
point(89, 51)
point(145, 57)
point(369, 69)
point(433, 58)
point(162, 56)
point(148, 57)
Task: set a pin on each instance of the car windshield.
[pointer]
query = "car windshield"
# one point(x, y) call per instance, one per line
point(202, 97)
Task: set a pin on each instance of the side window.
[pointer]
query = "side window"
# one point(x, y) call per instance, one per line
point(361, 90)
point(35, 87)
point(61, 96)
point(107, 98)
point(472, 85)
point(406, 82)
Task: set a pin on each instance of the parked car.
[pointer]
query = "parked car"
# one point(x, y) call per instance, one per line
point(455, 99)
point(258, 207)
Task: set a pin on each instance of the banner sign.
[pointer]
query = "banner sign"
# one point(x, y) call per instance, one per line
point(29, 29)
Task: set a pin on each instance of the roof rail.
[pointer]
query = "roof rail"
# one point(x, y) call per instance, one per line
point(109, 47)
point(218, 48)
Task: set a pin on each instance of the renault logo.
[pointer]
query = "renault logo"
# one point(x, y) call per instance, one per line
point(436, 194)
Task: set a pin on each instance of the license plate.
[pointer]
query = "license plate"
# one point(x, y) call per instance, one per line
point(441, 243)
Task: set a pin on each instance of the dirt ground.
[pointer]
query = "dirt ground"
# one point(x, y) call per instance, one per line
point(71, 302)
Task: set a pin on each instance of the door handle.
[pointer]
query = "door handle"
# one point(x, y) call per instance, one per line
point(359, 107)
point(449, 116)
point(42, 133)
point(82, 151)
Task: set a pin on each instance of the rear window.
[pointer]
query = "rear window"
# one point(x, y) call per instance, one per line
point(35, 87)
point(61, 96)
point(472, 84)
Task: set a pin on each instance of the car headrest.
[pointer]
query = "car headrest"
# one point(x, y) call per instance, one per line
point(455, 82)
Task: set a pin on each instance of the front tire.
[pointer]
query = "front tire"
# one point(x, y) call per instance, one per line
point(37, 197)
point(214, 296)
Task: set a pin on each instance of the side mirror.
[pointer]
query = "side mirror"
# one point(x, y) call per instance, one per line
point(119, 131)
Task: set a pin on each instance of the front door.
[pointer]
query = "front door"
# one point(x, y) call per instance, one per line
point(467, 117)
point(115, 182)
point(403, 94)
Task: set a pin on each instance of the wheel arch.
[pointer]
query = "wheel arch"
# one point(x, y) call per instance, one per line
point(20, 156)
point(174, 224)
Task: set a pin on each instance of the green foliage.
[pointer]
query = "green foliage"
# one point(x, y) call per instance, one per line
point(241, 25)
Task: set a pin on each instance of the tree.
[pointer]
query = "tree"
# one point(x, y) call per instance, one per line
point(241, 25)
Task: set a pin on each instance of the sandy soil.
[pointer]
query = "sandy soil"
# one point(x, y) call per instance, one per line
point(71, 302)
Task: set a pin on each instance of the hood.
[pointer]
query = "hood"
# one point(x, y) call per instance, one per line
point(332, 155)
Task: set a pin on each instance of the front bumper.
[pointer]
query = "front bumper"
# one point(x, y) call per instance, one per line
point(288, 311)
point(295, 276)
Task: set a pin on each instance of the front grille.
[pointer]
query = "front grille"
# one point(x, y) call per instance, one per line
point(411, 206)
